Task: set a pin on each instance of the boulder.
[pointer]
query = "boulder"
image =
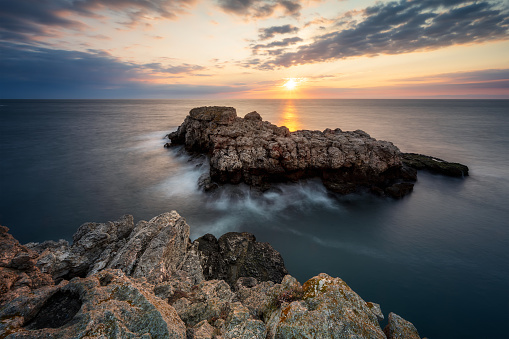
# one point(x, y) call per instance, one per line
point(236, 255)
point(327, 308)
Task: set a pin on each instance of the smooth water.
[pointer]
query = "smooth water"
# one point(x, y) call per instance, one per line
point(439, 257)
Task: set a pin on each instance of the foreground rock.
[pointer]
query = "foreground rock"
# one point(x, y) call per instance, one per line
point(18, 273)
point(237, 255)
point(258, 153)
point(120, 280)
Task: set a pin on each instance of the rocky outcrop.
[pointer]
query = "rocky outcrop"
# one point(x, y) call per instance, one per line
point(154, 249)
point(152, 282)
point(236, 255)
point(18, 273)
point(258, 153)
point(435, 165)
point(105, 305)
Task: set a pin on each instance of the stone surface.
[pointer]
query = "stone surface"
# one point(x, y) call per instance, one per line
point(105, 305)
point(399, 328)
point(153, 249)
point(328, 309)
point(208, 300)
point(258, 153)
point(236, 255)
point(432, 164)
point(18, 273)
point(202, 330)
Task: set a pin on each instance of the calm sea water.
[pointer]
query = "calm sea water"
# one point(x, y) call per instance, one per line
point(439, 257)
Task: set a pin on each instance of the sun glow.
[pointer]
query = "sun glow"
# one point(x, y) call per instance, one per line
point(290, 84)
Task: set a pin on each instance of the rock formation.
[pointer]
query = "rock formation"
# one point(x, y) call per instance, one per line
point(120, 280)
point(258, 153)
point(237, 255)
point(435, 165)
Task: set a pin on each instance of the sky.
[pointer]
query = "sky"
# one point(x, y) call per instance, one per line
point(260, 49)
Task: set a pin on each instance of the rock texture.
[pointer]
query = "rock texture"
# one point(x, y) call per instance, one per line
point(154, 249)
point(258, 153)
point(18, 273)
point(236, 255)
point(105, 305)
point(120, 280)
point(399, 328)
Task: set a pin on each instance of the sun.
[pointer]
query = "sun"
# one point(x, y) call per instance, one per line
point(291, 84)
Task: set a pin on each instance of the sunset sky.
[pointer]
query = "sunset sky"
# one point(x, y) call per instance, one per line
point(254, 49)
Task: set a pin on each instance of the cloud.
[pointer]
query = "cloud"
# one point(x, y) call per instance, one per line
point(478, 84)
point(24, 20)
point(183, 68)
point(283, 43)
point(403, 27)
point(29, 72)
point(270, 32)
point(260, 8)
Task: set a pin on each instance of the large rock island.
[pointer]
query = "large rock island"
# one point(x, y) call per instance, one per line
point(121, 280)
point(259, 153)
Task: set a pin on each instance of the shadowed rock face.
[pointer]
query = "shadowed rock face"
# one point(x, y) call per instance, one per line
point(435, 165)
point(258, 153)
point(236, 255)
point(57, 311)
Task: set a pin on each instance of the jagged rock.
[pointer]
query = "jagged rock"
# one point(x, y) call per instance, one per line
point(208, 300)
point(328, 309)
point(18, 274)
point(159, 291)
point(106, 304)
point(399, 328)
point(93, 246)
point(202, 330)
point(240, 325)
point(432, 164)
point(256, 298)
point(236, 255)
point(376, 310)
point(153, 249)
point(256, 152)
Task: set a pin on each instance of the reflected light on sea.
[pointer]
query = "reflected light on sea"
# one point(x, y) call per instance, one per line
point(289, 116)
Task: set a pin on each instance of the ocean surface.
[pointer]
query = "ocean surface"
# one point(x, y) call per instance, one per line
point(439, 257)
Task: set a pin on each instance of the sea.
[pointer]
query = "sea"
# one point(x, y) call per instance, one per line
point(438, 257)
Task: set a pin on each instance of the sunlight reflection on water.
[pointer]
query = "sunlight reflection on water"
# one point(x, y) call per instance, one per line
point(289, 117)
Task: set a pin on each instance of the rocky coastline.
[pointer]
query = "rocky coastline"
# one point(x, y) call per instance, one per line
point(149, 280)
point(259, 154)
